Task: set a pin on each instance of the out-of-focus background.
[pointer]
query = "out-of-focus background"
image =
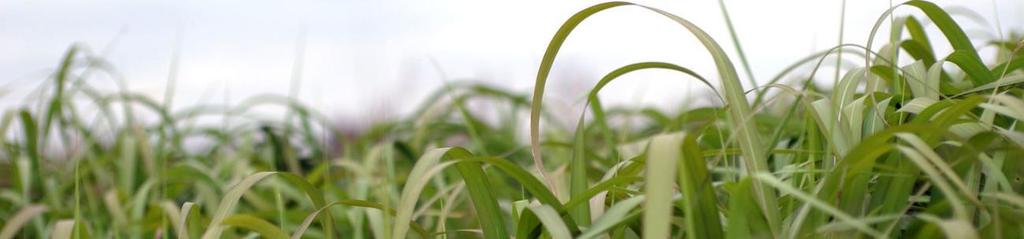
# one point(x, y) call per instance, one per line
point(360, 61)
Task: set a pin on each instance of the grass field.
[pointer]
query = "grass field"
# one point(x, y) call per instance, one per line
point(907, 142)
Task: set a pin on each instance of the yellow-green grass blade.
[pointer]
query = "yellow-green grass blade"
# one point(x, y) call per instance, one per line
point(820, 205)
point(56, 105)
point(30, 181)
point(578, 183)
point(63, 229)
point(535, 188)
point(578, 174)
point(552, 222)
point(739, 48)
point(530, 183)
point(663, 155)
point(745, 219)
point(922, 45)
point(595, 104)
point(1005, 81)
point(14, 223)
point(426, 167)
point(700, 206)
point(739, 109)
point(859, 161)
point(301, 229)
point(667, 154)
point(186, 211)
point(1010, 198)
point(615, 215)
point(941, 166)
point(959, 210)
point(485, 203)
point(952, 228)
point(964, 54)
point(604, 186)
point(528, 225)
point(256, 224)
point(231, 198)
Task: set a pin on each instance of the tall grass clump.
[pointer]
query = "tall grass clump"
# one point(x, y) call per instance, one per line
point(908, 142)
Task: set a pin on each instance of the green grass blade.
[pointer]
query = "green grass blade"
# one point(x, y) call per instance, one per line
point(615, 215)
point(353, 203)
point(19, 219)
point(56, 105)
point(485, 203)
point(530, 183)
point(32, 187)
point(551, 220)
point(952, 228)
point(63, 229)
point(602, 187)
point(256, 224)
point(754, 153)
point(661, 173)
point(578, 177)
point(231, 198)
point(739, 49)
point(820, 205)
point(426, 167)
point(186, 210)
point(745, 219)
point(964, 53)
point(700, 205)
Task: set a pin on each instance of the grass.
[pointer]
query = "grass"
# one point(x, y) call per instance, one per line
point(909, 143)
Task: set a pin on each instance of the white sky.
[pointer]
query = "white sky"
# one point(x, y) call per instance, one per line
point(373, 58)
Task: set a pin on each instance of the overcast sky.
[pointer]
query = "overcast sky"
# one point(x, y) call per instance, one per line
point(378, 57)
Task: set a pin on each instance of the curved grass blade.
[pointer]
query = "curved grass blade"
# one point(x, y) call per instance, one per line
point(814, 202)
point(425, 168)
point(952, 228)
point(231, 198)
point(615, 215)
point(19, 219)
point(550, 219)
point(488, 212)
point(256, 224)
point(578, 183)
point(354, 203)
point(739, 109)
point(186, 210)
point(602, 187)
point(964, 54)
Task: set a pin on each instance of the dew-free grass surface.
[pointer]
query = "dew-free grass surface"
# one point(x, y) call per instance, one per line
point(909, 142)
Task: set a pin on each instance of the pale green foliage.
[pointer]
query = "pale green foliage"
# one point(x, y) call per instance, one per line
point(899, 147)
